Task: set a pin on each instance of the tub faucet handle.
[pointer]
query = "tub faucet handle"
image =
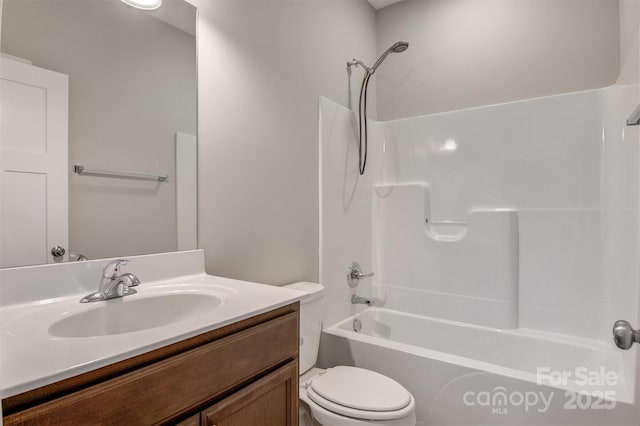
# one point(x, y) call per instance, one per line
point(355, 274)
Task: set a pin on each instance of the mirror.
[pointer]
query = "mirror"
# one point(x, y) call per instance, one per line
point(111, 90)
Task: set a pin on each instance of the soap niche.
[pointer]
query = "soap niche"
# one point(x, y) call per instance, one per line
point(417, 196)
point(469, 266)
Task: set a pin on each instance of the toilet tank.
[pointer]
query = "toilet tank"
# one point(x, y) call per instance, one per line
point(310, 322)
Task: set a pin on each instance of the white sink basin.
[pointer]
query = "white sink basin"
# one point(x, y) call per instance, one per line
point(131, 313)
point(52, 336)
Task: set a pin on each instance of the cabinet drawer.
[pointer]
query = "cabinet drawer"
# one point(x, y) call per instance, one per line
point(270, 401)
point(175, 386)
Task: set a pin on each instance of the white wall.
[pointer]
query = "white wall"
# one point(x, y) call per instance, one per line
point(262, 66)
point(260, 79)
point(467, 53)
point(131, 87)
point(629, 42)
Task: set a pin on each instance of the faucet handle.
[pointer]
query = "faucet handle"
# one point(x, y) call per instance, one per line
point(355, 274)
point(132, 279)
point(128, 281)
point(112, 269)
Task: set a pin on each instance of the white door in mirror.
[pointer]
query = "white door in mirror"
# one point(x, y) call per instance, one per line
point(33, 163)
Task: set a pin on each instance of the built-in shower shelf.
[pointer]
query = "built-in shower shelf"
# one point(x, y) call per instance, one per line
point(470, 266)
point(446, 230)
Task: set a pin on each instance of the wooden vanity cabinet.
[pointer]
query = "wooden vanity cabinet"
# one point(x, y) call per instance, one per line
point(242, 374)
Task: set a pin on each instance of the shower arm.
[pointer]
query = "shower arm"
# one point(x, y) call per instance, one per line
point(357, 62)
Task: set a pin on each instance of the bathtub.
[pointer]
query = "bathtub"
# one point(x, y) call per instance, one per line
point(463, 374)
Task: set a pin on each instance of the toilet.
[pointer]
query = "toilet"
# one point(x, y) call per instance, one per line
point(342, 395)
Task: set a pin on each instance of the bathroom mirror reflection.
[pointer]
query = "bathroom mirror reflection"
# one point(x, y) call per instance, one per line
point(102, 85)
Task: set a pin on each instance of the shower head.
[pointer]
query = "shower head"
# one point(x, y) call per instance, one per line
point(397, 47)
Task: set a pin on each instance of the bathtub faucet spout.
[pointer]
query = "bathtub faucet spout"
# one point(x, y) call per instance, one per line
point(357, 300)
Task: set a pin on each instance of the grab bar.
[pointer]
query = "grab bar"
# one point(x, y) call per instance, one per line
point(82, 170)
point(634, 118)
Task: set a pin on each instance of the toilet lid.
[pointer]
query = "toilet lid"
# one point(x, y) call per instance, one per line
point(361, 389)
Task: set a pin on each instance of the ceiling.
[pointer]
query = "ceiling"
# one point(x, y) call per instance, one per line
point(177, 13)
point(379, 4)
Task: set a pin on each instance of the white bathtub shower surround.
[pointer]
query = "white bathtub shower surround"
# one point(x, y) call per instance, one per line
point(541, 153)
point(565, 170)
point(457, 372)
point(504, 352)
point(458, 270)
point(345, 207)
point(562, 163)
point(619, 219)
point(543, 159)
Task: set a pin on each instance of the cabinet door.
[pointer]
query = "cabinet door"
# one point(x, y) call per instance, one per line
point(190, 421)
point(270, 401)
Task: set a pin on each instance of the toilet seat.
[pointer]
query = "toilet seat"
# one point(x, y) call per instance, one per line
point(360, 394)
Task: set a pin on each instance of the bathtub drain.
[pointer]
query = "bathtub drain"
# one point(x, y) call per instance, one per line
point(357, 325)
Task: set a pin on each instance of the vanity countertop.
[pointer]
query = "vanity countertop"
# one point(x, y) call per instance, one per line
point(34, 354)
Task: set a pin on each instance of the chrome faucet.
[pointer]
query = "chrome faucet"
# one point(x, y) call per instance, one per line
point(357, 300)
point(113, 284)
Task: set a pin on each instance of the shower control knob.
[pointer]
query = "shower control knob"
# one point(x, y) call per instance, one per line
point(624, 335)
point(355, 274)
